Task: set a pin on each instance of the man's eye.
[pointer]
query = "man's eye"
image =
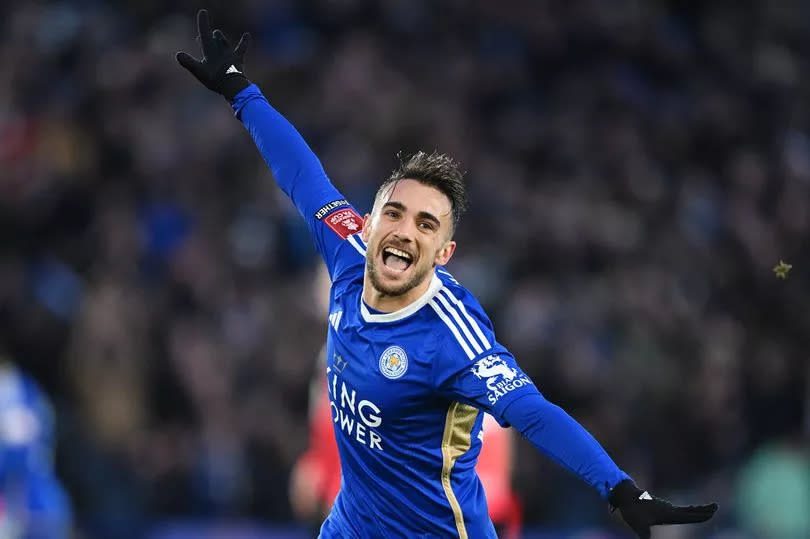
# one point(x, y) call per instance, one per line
point(427, 226)
point(392, 213)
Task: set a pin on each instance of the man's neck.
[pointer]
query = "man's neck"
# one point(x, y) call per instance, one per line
point(386, 303)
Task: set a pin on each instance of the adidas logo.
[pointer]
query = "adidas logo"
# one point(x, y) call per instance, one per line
point(645, 496)
point(334, 319)
point(232, 69)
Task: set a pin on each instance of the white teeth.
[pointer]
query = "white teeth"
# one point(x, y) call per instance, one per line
point(397, 252)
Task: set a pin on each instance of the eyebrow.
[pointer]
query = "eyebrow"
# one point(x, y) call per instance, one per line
point(421, 215)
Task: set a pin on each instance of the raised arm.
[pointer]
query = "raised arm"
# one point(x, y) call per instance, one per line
point(297, 170)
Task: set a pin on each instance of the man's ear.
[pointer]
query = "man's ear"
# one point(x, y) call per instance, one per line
point(445, 253)
point(366, 227)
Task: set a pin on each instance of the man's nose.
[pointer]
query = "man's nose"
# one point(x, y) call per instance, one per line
point(404, 232)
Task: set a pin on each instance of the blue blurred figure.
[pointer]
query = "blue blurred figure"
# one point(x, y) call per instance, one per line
point(33, 504)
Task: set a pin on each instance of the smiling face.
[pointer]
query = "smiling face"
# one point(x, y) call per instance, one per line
point(408, 234)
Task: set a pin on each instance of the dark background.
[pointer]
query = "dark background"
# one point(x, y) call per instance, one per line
point(636, 169)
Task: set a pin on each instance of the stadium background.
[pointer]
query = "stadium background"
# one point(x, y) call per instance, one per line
point(636, 170)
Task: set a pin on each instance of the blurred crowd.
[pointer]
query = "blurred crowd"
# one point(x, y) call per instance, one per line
point(636, 170)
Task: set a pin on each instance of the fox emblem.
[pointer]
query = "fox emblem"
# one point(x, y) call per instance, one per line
point(490, 368)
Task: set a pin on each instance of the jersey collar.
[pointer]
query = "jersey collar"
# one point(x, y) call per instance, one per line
point(421, 301)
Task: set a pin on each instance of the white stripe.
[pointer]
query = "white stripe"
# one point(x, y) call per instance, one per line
point(452, 328)
point(469, 318)
point(356, 245)
point(449, 276)
point(460, 323)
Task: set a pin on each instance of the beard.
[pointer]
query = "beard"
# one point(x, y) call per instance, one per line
point(419, 275)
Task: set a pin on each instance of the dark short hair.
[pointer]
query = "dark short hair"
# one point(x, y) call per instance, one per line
point(437, 170)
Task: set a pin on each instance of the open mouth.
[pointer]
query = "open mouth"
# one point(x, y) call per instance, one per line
point(396, 259)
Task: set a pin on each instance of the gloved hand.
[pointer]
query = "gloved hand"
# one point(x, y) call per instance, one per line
point(221, 68)
point(640, 510)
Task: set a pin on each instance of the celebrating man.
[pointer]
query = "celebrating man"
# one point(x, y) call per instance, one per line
point(412, 359)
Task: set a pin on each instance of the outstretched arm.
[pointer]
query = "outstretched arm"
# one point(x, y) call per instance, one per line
point(297, 170)
point(559, 436)
point(549, 428)
point(493, 381)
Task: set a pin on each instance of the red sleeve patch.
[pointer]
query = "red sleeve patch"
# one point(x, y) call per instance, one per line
point(345, 222)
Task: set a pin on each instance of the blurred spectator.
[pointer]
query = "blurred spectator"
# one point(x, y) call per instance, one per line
point(773, 492)
point(33, 503)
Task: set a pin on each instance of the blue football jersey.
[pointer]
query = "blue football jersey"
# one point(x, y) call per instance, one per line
point(408, 389)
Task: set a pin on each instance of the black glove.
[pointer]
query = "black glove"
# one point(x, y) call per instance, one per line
point(640, 510)
point(222, 66)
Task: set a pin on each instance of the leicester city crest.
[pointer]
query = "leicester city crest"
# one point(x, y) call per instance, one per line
point(393, 362)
